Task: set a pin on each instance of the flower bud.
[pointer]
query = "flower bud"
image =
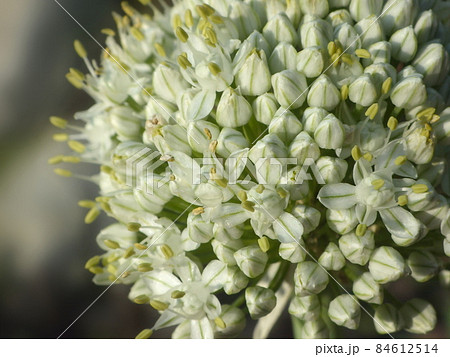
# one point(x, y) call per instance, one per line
point(233, 109)
point(387, 319)
point(367, 289)
point(234, 320)
point(409, 92)
point(404, 44)
point(398, 14)
point(432, 218)
point(290, 88)
point(419, 316)
point(309, 278)
point(334, 4)
point(305, 308)
point(253, 78)
point(260, 301)
point(311, 119)
point(168, 83)
point(426, 26)
point(339, 17)
point(229, 141)
point(363, 91)
point(284, 56)
point(357, 249)
point(314, 329)
point(317, 8)
point(303, 147)
point(308, 216)
point(432, 61)
point(360, 9)
point(225, 250)
point(316, 33)
point(323, 93)
point(370, 30)
point(419, 147)
point(236, 281)
point(172, 138)
point(265, 107)
point(372, 136)
point(386, 265)
point(332, 169)
point(199, 230)
point(423, 265)
point(342, 221)
point(330, 133)
point(197, 135)
point(332, 258)
point(251, 260)
point(294, 252)
point(240, 10)
point(348, 37)
point(310, 62)
point(285, 125)
point(280, 29)
point(380, 52)
point(344, 310)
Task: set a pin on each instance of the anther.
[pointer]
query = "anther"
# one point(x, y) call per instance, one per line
point(264, 244)
point(419, 188)
point(166, 251)
point(362, 53)
point(79, 49)
point(377, 184)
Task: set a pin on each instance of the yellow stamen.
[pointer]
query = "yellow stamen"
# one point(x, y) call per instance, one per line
point(61, 137)
point(128, 253)
point(176, 22)
point(133, 226)
point(74, 81)
point(111, 244)
point(210, 34)
point(198, 210)
point(160, 49)
point(140, 246)
point(76, 146)
point(62, 172)
point(386, 87)
point(166, 251)
point(419, 188)
point(216, 19)
point(79, 49)
point(402, 200)
point(108, 32)
point(177, 294)
point(92, 215)
point(392, 123)
point(344, 92)
point(96, 270)
point(127, 8)
point(181, 34)
point(242, 195)
point(144, 267)
point(86, 203)
point(111, 269)
point(137, 34)
point(426, 114)
point(260, 189)
point(372, 111)
point(183, 61)
point(141, 299)
point(188, 19)
point(400, 160)
point(158, 305)
point(219, 322)
point(208, 133)
point(362, 53)
point(146, 333)
point(55, 159)
point(202, 11)
point(264, 243)
point(346, 58)
point(377, 184)
point(222, 182)
point(331, 48)
point(58, 122)
point(361, 230)
point(214, 68)
point(368, 156)
point(248, 205)
point(356, 153)
point(92, 262)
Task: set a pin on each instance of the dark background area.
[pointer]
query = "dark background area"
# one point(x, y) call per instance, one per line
point(43, 240)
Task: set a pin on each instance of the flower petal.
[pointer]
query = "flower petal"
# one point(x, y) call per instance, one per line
point(288, 229)
point(337, 196)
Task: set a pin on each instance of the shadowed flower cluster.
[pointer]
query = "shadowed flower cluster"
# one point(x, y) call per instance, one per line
point(192, 99)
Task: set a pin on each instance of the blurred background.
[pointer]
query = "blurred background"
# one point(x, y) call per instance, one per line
point(43, 240)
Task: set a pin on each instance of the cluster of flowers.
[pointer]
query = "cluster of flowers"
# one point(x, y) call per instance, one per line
point(360, 87)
